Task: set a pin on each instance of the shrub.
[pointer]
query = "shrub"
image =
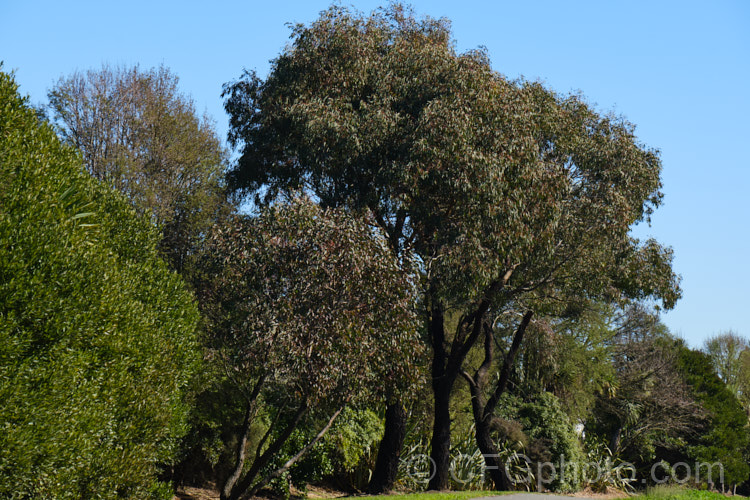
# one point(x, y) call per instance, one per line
point(97, 337)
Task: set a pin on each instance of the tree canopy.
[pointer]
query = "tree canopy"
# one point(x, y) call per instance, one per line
point(138, 133)
point(310, 309)
point(724, 437)
point(97, 336)
point(504, 191)
point(726, 352)
point(476, 173)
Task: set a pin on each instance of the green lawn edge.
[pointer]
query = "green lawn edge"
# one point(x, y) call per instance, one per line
point(669, 492)
point(445, 495)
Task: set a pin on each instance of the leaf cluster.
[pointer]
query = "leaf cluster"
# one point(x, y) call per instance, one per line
point(313, 302)
point(97, 336)
point(475, 174)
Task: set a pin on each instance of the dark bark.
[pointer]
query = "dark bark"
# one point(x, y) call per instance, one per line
point(389, 452)
point(483, 411)
point(441, 438)
point(441, 388)
point(510, 357)
point(482, 420)
point(230, 482)
point(493, 464)
point(446, 367)
point(252, 399)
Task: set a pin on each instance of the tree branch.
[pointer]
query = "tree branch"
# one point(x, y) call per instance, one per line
point(468, 378)
point(263, 460)
point(255, 489)
point(502, 383)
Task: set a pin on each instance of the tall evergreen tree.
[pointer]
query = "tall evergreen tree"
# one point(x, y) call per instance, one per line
point(506, 193)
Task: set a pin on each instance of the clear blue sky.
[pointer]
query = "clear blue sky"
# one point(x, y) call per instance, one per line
point(679, 70)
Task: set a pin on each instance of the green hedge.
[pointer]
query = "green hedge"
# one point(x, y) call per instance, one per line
point(97, 337)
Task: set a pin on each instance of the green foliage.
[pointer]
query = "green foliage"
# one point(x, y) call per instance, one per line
point(551, 435)
point(679, 493)
point(97, 336)
point(344, 457)
point(466, 469)
point(414, 467)
point(311, 301)
point(354, 439)
point(476, 174)
point(467, 463)
point(354, 435)
point(309, 312)
point(726, 353)
point(506, 193)
point(569, 357)
point(139, 134)
point(649, 407)
point(725, 438)
point(604, 471)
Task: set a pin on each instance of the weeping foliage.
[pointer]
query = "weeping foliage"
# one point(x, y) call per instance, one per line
point(309, 311)
point(507, 194)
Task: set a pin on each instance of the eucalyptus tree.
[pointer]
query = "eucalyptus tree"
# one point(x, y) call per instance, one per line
point(139, 133)
point(308, 308)
point(507, 194)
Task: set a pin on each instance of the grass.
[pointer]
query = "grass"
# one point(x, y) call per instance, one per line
point(448, 495)
point(679, 493)
point(655, 493)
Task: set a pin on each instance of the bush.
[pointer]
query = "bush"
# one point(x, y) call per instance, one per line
point(679, 493)
point(551, 433)
point(97, 337)
point(550, 436)
point(725, 438)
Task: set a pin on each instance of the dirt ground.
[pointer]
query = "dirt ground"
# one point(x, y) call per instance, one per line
point(313, 493)
point(316, 493)
point(190, 493)
point(608, 495)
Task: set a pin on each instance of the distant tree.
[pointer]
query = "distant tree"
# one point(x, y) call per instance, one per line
point(97, 336)
point(309, 310)
point(724, 437)
point(650, 404)
point(725, 352)
point(138, 133)
point(503, 191)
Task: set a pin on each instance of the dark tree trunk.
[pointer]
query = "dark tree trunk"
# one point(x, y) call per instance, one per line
point(614, 441)
point(241, 486)
point(494, 465)
point(441, 437)
point(442, 383)
point(231, 481)
point(389, 452)
point(446, 367)
point(482, 410)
